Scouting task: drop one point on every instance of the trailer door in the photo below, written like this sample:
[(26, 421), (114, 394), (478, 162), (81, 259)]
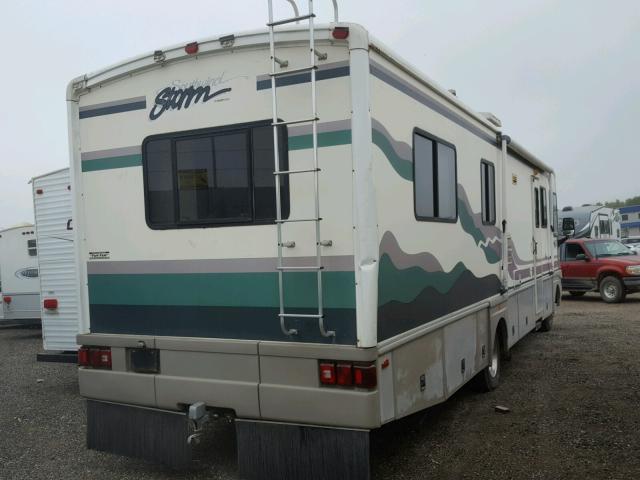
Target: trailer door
[(536, 241)]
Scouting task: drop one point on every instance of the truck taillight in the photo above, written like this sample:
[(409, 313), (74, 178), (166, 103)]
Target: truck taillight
[(6, 300), (348, 374), (95, 357), (50, 303)]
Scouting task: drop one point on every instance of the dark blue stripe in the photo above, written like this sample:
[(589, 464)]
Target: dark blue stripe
[(404, 87), (127, 107), (325, 74), (248, 323)]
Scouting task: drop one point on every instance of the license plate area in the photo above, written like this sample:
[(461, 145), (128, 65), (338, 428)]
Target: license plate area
[(144, 360)]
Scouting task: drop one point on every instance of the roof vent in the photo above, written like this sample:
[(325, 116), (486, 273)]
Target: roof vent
[(491, 118)]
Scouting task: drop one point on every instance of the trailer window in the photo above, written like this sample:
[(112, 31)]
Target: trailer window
[(214, 177), (31, 248), (488, 192), (435, 193), (544, 221), (555, 213), (536, 201)]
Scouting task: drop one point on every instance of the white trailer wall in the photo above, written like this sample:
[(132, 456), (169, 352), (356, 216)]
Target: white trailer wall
[(52, 207)]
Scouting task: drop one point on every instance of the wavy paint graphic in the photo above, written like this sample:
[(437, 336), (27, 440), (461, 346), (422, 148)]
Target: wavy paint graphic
[(413, 289)]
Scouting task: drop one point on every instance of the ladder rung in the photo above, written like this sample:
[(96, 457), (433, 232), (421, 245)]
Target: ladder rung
[(306, 267), (290, 172), (299, 220), (300, 315), (291, 20), (295, 70), (291, 122)]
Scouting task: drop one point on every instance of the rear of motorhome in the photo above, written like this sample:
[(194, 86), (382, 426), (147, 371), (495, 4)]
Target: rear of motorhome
[(19, 270), (312, 240), (56, 255)]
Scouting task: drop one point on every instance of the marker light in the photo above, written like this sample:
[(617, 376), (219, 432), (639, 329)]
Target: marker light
[(50, 303), (191, 48), (340, 33)]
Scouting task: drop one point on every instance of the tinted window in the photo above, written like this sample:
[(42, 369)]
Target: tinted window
[(434, 179), (572, 250), (31, 248), (536, 201), (544, 218), (214, 177), (488, 192)]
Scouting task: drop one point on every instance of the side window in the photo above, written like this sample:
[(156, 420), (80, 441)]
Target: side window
[(544, 210), (214, 177), (625, 216), (31, 248), (488, 192), (434, 179), (536, 201), (572, 250), (555, 213)]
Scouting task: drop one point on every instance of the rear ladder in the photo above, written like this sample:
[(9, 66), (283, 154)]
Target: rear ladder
[(313, 120)]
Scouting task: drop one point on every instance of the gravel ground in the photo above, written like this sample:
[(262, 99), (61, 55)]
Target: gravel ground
[(574, 395)]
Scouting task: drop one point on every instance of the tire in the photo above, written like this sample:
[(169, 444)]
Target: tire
[(547, 324), (577, 294), (611, 290), (489, 378)]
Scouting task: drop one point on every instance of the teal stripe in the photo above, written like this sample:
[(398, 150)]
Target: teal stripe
[(222, 289), (402, 166), (325, 139), (108, 163)]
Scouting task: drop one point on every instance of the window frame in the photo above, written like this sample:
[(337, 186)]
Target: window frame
[(247, 128), (482, 190), (435, 140)]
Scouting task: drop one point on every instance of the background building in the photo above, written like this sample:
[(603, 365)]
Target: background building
[(630, 222)]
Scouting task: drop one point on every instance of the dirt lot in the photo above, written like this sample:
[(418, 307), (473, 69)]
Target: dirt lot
[(574, 395)]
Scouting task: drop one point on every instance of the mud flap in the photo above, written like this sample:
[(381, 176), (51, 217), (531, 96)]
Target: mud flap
[(155, 435), (274, 450)]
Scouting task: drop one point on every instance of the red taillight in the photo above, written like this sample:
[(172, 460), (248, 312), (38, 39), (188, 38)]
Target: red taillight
[(348, 374), (344, 374), (191, 48), (95, 357), (364, 376), (6, 300), (340, 33), (328, 373), (83, 357), (50, 303)]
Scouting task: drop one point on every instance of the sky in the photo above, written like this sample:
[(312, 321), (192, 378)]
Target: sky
[(563, 76)]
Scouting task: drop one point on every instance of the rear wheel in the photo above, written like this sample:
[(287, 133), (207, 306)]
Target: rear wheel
[(489, 378), (577, 294), (611, 290)]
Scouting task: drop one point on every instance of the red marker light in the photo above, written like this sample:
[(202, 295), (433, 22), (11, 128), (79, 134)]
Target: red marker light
[(50, 303), (192, 48), (6, 300), (340, 33)]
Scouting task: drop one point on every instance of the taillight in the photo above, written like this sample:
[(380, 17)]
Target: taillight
[(6, 300), (95, 357), (327, 373), (50, 303), (348, 374)]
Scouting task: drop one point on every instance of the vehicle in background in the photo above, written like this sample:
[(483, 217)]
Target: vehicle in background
[(632, 242), (605, 266), (590, 221), (56, 257), (19, 270), (308, 272)]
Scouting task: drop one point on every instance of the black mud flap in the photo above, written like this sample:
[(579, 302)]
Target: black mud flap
[(155, 435), (274, 450)]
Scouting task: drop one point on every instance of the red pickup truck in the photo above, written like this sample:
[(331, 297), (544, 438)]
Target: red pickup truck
[(605, 266)]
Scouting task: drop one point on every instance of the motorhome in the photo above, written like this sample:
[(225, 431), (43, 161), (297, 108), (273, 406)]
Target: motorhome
[(57, 260), (19, 270), (590, 221), (295, 229)]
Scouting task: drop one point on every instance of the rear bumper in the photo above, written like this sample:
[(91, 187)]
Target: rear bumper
[(257, 380)]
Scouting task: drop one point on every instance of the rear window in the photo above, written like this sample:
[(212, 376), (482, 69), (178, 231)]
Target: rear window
[(214, 177)]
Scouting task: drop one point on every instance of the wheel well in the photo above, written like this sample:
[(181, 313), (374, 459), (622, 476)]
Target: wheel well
[(503, 336), (608, 273)]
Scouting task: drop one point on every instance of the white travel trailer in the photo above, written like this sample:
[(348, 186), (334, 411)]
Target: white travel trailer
[(19, 269), (56, 256), (590, 221), (313, 264)]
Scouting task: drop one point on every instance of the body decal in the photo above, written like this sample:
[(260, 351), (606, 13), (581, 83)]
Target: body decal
[(109, 108)]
